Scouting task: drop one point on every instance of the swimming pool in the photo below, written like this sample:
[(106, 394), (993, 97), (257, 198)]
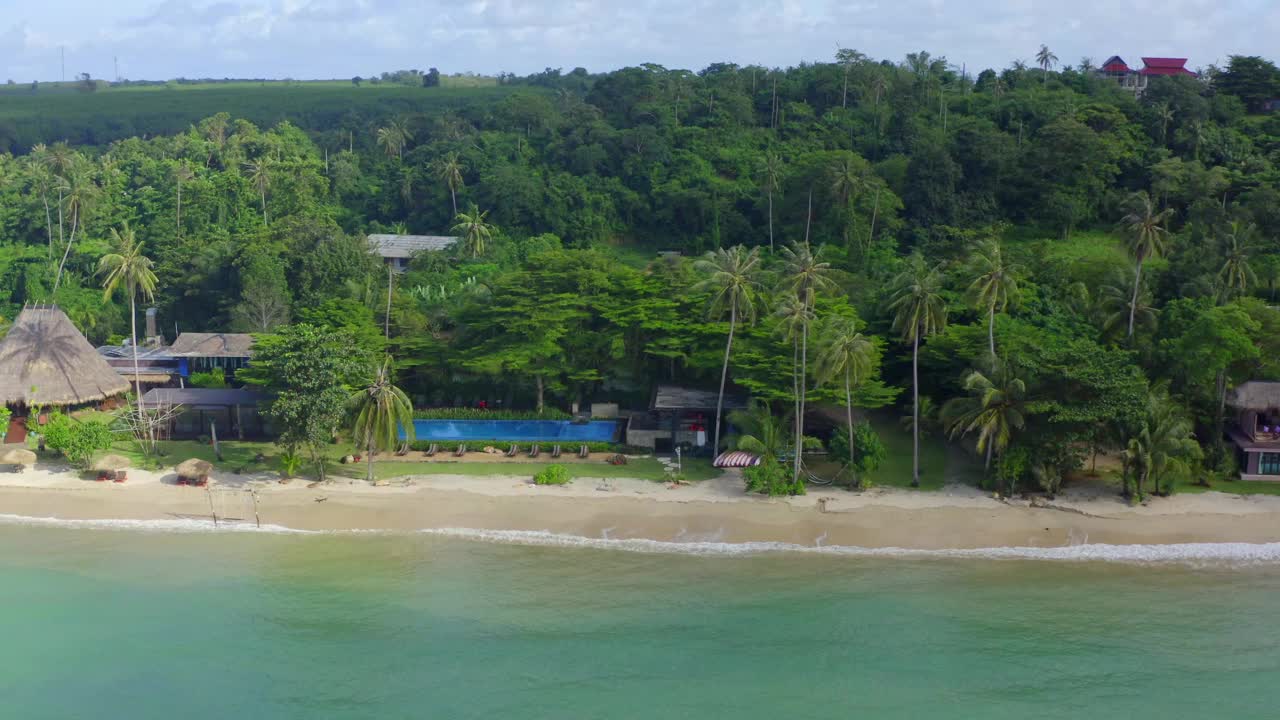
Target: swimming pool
[(540, 430)]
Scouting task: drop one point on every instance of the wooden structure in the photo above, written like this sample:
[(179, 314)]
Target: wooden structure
[(398, 251), (207, 411), (45, 362), (1256, 431), (678, 416), (202, 352)]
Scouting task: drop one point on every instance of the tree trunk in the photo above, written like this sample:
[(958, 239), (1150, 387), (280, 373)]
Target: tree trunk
[(875, 211), (724, 375), (264, 207), (387, 322), (538, 379), (804, 390), (915, 409), (453, 193), (369, 458), (179, 221), (57, 280), (1133, 304), (770, 223), (991, 334), (137, 373), (848, 408), (48, 222), (808, 217), (990, 447)]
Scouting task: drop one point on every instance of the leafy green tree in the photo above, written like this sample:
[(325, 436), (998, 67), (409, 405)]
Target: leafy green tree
[(259, 175), (1250, 78), (77, 440), (731, 276), (308, 372), (1147, 233), (919, 311), (380, 412), (1162, 446), (393, 138), (129, 269)]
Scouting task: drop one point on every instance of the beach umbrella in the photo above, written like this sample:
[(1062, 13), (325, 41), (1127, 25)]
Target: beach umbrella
[(111, 463), (18, 456), (195, 469)]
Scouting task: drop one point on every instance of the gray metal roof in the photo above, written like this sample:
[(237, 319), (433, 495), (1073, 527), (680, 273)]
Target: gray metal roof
[(198, 397), (674, 397), (406, 246)]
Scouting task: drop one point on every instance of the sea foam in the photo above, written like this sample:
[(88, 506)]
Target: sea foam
[(1194, 554)]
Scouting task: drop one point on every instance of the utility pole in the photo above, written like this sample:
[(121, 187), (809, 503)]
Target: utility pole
[(62, 49), (115, 60)]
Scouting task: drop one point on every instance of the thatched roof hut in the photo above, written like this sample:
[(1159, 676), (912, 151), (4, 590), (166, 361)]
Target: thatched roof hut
[(18, 456), (44, 360), (195, 469), (1255, 395), (111, 463)]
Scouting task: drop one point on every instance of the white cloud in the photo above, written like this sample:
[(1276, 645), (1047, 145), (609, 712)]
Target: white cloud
[(338, 38)]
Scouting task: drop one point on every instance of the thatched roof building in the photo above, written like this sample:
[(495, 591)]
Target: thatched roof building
[(44, 360), (1256, 395)]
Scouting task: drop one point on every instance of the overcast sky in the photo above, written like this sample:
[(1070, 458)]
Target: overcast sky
[(161, 39)]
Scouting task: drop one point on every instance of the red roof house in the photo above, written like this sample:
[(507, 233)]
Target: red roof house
[(1115, 64), (1165, 66)]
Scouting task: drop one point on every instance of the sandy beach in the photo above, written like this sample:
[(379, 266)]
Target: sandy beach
[(710, 511)]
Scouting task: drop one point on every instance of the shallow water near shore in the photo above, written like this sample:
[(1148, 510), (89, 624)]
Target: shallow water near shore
[(138, 624)]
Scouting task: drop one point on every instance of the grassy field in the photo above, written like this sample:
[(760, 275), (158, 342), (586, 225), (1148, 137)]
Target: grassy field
[(241, 457), (56, 113), (938, 464)]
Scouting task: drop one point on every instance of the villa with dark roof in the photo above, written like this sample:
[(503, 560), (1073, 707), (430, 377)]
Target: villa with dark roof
[(1135, 81), (398, 250)]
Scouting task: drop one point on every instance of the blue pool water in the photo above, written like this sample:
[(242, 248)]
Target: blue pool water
[(526, 430)]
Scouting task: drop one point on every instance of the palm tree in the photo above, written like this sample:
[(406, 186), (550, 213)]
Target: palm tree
[(474, 230), (81, 193), (760, 432), (846, 181), (1164, 114), (260, 177), (804, 276), (1147, 235), (1236, 274), (794, 317), (919, 311), (731, 276), (847, 352), (1162, 442), (994, 408), (449, 170), (394, 137), (380, 411), (128, 267), (1115, 305), (43, 181), (771, 171), (181, 174), (994, 286), (1046, 60)]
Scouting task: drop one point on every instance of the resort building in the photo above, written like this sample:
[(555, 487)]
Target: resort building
[(678, 417), (398, 250), (203, 352), (231, 414), (1256, 432), (46, 363), (1135, 81)]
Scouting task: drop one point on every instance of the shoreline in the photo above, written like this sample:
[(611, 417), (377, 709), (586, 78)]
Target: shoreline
[(619, 509)]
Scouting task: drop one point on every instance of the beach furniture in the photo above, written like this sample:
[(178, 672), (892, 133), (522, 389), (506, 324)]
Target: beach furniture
[(513, 450), (431, 451), (583, 452), (403, 450), (462, 450), (555, 451), (121, 476), (533, 451)]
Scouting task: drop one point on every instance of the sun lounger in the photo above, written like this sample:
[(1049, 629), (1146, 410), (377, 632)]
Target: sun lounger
[(403, 450), (533, 451), (121, 476), (513, 450), (555, 451), (462, 450), (431, 451), (584, 451)]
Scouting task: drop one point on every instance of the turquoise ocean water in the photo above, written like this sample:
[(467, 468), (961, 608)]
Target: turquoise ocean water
[(123, 623)]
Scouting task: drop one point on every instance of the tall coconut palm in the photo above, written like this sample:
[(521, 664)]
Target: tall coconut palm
[(127, 267), (919, 311), (1147, 233), (1046, 60), (794, 317), (394, 137), (994, 409), (732, 278), (449, 169), (759, 432), (1115, 305), (81, 194), (849, 353), (181, 175), (1236, 275), (380, 412), (994, 286), (770, 180), (804, 276), (259, 174), (474, 229), (846, 181), (1164, 114), (43, 181)]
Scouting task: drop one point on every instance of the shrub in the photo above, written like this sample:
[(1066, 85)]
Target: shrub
[(772, 479), (869, 451), (552, 475), (5, 414), (211, 379), (77, 440)]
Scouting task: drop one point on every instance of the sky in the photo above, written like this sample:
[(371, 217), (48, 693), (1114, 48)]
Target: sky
[(309, 39)]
